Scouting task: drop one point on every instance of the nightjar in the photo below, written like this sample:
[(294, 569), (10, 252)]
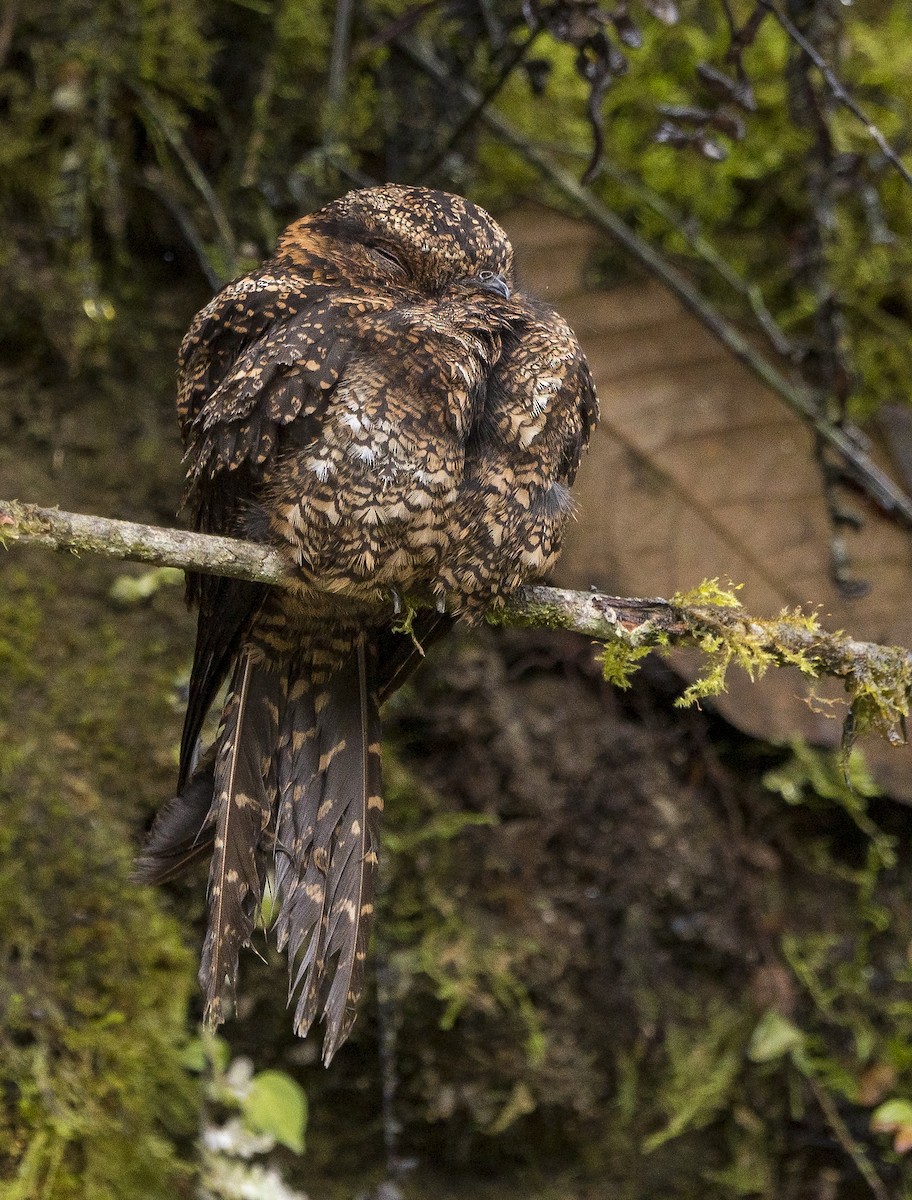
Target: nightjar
[(382, 405)]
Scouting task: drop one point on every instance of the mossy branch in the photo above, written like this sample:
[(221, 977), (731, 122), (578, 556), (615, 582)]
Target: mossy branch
[(878, 679)]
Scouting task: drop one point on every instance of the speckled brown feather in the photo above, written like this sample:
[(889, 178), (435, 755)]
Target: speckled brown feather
[(381, 404)]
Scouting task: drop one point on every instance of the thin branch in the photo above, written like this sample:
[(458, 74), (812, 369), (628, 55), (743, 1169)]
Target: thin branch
[(153, 178), (843, 1135), (704, 249), (397, 27), (685, 227), (838, 89), (338, 63), (828, 370), (636, 623), (657, 623), (875, 482), (195, 173), (142, 543)]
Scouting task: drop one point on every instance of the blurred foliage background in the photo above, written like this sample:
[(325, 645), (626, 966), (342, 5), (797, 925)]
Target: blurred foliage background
[(623, 950)]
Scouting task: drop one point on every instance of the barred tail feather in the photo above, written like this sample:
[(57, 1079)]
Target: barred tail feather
[(299, 781), (242, 804), (327, 839)]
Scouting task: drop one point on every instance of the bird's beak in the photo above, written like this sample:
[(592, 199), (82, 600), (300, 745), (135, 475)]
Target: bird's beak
[(494, 283)]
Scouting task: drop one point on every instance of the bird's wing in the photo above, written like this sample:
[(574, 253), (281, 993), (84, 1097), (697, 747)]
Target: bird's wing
[(550, 406), (400, 653), (260, 358), (582, 386), (263, 354)]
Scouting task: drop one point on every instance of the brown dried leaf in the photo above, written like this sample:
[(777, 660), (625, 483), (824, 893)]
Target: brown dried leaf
[(699, 471), (875, 1083)]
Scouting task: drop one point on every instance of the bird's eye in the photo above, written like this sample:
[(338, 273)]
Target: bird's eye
[(388, 257)]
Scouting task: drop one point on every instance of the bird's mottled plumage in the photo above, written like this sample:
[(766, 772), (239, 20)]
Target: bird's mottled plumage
[(379, 403)]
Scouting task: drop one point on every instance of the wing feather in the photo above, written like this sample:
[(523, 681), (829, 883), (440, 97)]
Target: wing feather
[(261, 356)]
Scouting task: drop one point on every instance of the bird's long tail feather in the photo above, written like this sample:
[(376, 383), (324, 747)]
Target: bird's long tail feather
[(242, 805), (327, 835)]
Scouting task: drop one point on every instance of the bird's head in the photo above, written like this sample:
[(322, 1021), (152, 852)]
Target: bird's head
[(408, 237)]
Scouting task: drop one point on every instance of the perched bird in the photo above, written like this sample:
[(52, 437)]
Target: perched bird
[(380, 404)]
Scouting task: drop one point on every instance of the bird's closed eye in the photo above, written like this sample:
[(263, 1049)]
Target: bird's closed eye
[(386, 256)]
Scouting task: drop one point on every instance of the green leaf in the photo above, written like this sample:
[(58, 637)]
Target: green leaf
[(891, 1115), (277, 1105), (132, 589), (773, 1037), (206, 1050)]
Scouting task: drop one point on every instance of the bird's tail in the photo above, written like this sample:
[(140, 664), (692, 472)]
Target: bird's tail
[(295, 770), (327, 833)]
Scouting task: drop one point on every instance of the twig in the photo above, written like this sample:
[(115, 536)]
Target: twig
[(828, 371), (477, 110), (838, 89), (184, 222), (875, 482), (741, 39), (194, 171), (338, 63), (395, 28), (845, 1139), (636, 622), (704, 249)]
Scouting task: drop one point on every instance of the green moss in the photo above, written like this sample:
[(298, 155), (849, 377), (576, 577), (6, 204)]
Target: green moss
[(97, 1097), (435, 943), (619, 662), (136, 96), (880, 687), (830, 1041), (701, 1071), (754, 644), (710, 592), (533, 615), (108, 132), (752, 206), (95, 977)]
